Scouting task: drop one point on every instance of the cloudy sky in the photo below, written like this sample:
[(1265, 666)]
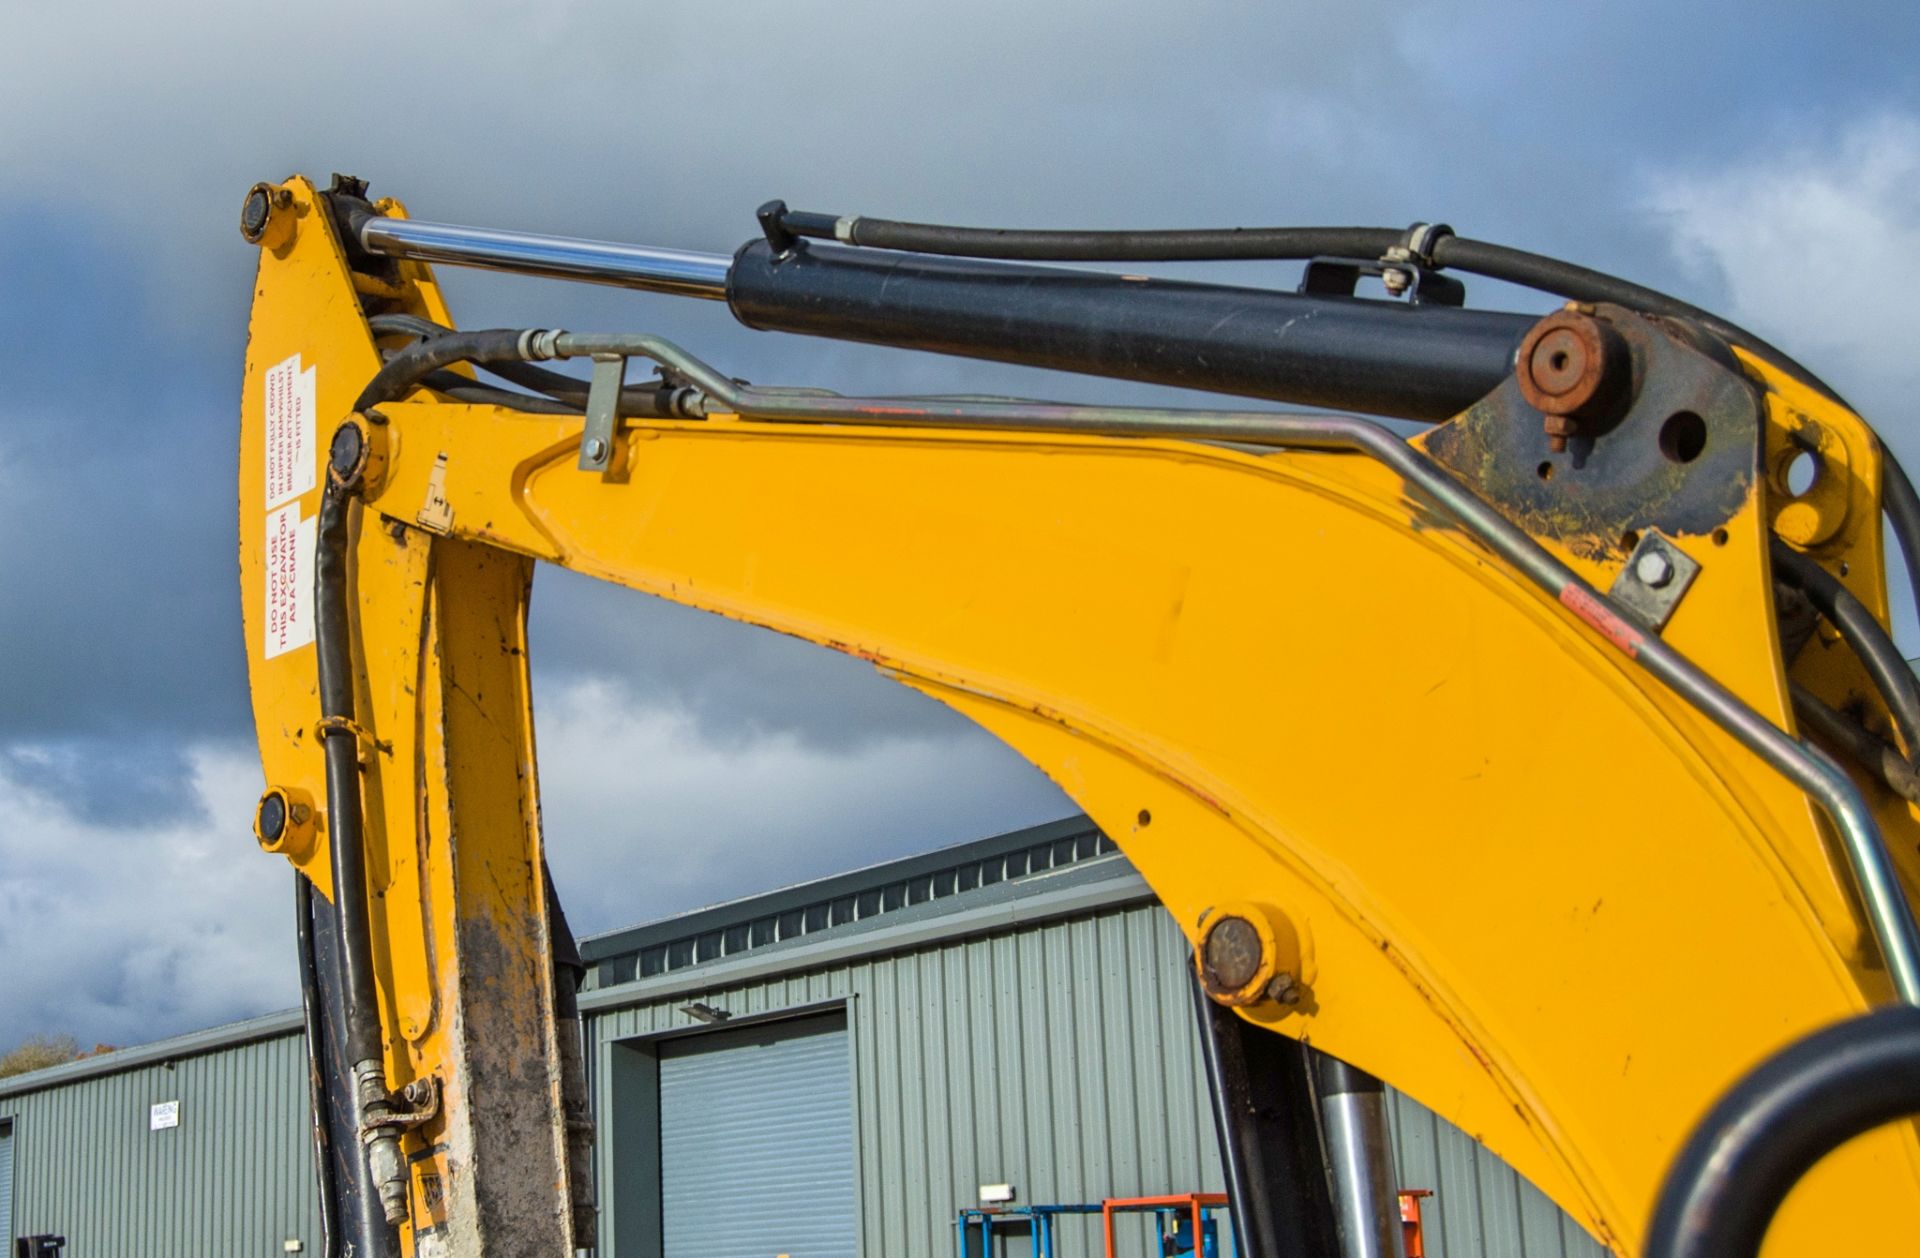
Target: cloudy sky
[(1761, 160)]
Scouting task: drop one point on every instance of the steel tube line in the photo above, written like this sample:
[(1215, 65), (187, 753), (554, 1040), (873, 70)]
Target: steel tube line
[(1808, 767), (676, 271)]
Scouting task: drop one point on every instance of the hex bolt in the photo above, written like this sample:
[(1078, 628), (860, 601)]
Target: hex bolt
[(1284, 988), (1654, 569), (596, 449)]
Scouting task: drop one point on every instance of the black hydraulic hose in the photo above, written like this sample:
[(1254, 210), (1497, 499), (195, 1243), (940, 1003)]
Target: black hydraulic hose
[(461, 389), (501, 351), (333, 645), (334, 649), (310, 1015), (1204, 245), (403, 372), (553, 384), (1902, 507), (1757, 1142), (1579, 283), (1868, 638), (1281, 244)]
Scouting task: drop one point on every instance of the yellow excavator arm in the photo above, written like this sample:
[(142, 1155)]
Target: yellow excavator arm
[(1471, 760)]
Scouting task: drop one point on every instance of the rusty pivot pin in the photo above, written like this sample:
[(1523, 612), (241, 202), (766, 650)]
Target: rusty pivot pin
[(1573, 369)]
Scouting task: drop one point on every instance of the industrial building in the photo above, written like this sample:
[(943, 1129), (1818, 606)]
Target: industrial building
[(828, 1070)]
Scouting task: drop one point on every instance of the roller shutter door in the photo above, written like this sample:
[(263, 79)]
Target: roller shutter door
[(756, 1143)]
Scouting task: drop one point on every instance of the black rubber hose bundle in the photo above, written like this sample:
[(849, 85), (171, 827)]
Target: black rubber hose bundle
[(1284, 244), (341, 746), (1869, 640), (1902, 505), (500, 351), (400, 374)]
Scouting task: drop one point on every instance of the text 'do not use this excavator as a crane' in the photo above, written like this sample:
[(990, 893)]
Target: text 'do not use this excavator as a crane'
[(1553, 764)]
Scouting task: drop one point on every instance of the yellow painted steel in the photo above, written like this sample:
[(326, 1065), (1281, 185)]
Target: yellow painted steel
[(1543, 896)]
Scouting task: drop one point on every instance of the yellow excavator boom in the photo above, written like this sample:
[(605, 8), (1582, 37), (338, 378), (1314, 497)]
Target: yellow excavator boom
[(1470, 761)]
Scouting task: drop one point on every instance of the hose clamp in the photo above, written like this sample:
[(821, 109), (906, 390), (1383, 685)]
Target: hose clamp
[(342, 727), (1417, 244)]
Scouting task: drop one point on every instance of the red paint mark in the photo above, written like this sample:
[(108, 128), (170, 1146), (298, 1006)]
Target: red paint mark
[(1596, 613), (893, 410)]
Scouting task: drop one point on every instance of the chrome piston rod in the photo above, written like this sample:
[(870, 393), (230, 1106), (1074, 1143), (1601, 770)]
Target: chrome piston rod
[(676, 271), (1366, 1197)]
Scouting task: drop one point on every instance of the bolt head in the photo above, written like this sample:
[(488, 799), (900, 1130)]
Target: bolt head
[(1285, 989), (1654, 569), (596, 449)]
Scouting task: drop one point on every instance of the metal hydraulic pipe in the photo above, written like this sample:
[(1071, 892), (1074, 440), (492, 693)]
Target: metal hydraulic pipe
[(1809, 768), (676, 271)]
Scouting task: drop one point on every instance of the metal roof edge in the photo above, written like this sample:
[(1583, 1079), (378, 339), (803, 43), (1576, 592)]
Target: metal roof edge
[(1125, 889), (1033, 906), (599, 947), (193, 1044)]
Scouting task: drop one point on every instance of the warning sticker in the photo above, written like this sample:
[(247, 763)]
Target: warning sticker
[(290, 427), (289, 552)]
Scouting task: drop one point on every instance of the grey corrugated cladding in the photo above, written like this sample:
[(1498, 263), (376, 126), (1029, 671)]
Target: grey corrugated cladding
[(6, 1186), (234, 1178), (1026, 1022), (1060, 1057)]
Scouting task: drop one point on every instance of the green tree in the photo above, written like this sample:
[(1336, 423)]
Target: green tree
[(37, 1052)]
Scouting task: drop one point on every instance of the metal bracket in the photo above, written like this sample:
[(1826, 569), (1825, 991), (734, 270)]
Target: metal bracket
[(1657, 576), (413, 1106), (365, 742), (603, 410), (1340, 277)]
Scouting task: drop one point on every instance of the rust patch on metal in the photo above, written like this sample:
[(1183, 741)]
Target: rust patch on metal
[(1682, 457)]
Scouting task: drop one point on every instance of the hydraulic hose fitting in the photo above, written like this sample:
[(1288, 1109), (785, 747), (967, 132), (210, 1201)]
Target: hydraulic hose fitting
[(380, 1137), (1576, 371)]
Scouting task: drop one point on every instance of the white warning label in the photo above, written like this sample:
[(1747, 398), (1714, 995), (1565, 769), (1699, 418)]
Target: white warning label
[(289, 552), (290, 426)]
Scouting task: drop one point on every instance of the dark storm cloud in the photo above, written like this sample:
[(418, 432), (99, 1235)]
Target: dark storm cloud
[(119, 607), (1698, 147), (109, 781)]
